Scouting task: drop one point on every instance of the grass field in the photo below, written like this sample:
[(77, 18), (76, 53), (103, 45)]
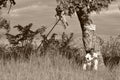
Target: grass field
[(49, 68), (56, 67)]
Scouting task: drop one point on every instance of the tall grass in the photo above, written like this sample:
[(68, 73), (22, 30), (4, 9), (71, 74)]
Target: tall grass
[(47, 68), (59, 62), (112, 47)]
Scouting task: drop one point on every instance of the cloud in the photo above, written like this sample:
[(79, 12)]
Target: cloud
[(111, 12), (30, 8), (113, 9), (23, 3), (27, 10), (33, 7)]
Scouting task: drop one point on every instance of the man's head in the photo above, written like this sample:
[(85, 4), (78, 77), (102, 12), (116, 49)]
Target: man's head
[(92, 50)]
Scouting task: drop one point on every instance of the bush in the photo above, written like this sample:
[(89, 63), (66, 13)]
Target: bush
[(111, 52)]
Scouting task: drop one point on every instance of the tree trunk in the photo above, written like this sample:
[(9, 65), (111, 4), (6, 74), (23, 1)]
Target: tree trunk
[(88, 35)]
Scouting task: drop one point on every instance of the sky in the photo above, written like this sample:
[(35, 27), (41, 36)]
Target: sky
[(42, 12)]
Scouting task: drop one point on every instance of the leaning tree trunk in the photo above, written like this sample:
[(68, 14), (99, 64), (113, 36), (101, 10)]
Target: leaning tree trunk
[(88, 35)]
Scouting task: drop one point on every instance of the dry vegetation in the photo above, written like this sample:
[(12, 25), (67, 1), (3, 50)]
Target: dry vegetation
[(48, 68), (56, 59), (55, 64)]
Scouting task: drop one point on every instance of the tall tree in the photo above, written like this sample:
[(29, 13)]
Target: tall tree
[(83, 9)]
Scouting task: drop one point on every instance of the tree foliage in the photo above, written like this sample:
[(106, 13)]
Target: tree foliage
[(4, 24), (83, 8), (88, 6), (26, 34), (3, 3)]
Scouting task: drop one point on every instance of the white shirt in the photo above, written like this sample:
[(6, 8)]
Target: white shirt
[(88, 57)]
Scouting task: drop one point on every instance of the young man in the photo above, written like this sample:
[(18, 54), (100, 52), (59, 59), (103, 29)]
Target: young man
[(95, 56), (88, 62), (91, 60)]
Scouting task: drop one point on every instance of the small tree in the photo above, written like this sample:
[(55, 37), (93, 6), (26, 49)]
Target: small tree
[(3, 3), (3, 22), (26, 35)]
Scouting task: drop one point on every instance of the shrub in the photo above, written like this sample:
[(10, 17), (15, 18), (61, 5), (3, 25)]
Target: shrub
[(111, 52)]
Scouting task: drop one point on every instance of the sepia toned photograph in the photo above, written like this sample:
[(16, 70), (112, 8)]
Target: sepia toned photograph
[(59, 39)]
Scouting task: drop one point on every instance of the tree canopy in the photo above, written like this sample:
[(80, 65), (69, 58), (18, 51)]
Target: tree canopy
[(88, 6), (25, 33), (83, 8)]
